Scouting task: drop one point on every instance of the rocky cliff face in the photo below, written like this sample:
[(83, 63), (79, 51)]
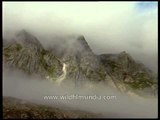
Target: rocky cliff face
[(26, 52), (128, 74), (82, 63)]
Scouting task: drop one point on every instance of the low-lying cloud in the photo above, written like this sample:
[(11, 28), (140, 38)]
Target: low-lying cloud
[(34, 89)]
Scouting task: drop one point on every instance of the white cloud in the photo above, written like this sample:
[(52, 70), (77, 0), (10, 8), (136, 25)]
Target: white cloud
[(109, 27)]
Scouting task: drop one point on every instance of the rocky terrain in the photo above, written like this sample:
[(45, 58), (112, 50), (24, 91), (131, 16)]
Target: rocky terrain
[(20, 109), (25, 52), (127, 72)]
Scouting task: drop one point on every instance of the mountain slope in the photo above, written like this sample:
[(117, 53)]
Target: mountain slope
[(26, 53), (81, 64), (128, 72)]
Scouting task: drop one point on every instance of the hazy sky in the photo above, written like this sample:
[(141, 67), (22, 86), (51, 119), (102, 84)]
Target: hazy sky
[(109, 27)]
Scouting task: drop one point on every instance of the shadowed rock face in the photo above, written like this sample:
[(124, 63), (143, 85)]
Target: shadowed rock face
[(26, 52)]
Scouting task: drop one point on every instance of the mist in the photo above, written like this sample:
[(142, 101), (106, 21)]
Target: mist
[(33, 89), (108, 27)]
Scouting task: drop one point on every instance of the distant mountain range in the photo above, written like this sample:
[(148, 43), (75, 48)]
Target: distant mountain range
[(26, 53)]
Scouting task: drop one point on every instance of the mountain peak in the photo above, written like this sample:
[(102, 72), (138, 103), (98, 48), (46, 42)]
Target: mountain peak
[(123, 53), (125, 56), (26, 39), (80, 37), (22, 32), (83, 43)]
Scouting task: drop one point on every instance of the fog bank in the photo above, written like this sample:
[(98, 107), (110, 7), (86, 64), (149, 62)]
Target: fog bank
[(31, 88)]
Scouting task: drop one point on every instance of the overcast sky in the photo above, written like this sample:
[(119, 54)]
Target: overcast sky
[(109, 27)]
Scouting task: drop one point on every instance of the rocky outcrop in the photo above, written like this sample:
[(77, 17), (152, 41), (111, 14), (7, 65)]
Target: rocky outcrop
[(81, 64), (25, 52), (127, 72)]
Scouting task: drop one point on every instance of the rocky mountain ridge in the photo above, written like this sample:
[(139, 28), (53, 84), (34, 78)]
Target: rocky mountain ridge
[(25, 52)]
